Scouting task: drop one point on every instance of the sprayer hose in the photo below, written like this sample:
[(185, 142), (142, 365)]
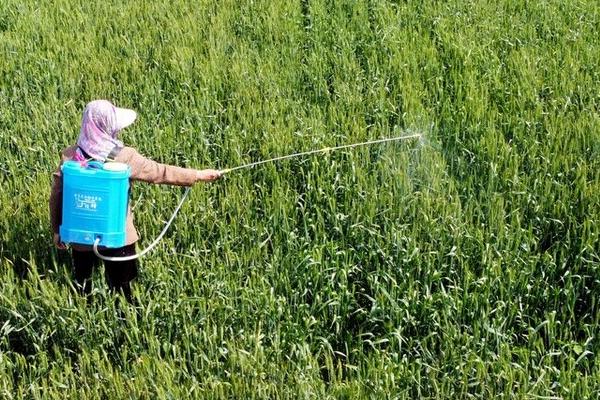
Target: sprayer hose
[(152, 245)]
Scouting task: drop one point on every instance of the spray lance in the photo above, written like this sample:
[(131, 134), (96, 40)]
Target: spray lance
[(97, 240)]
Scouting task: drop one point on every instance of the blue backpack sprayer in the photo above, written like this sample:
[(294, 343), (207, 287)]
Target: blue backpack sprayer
[(95, 200)]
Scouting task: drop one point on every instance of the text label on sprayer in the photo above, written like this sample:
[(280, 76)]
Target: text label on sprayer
[(87, 202)]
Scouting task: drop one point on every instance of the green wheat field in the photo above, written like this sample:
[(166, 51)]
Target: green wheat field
[(464, 265)]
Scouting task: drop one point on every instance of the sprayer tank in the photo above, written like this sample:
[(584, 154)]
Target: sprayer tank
[(95, 197)]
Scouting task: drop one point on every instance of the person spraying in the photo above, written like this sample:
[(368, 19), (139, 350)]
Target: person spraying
[(97, 143)]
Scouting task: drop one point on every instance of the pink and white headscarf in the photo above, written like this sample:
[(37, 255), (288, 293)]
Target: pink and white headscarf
[(100, 125)]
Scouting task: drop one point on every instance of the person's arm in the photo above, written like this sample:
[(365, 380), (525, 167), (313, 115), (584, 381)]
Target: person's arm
[(147, 170), (55, 205)]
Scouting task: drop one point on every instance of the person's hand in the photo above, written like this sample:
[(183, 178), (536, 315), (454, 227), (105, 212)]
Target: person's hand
[(208, 175), (57, 242)]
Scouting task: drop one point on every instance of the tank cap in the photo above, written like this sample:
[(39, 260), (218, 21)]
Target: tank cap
[(115, 166)]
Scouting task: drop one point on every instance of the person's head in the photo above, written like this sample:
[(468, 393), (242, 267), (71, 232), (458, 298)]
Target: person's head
[(100, 124)]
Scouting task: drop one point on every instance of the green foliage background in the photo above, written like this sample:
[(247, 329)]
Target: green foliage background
[(463, 266)]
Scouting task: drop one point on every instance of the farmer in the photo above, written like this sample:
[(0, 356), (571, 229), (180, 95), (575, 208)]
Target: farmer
[(100, 125)]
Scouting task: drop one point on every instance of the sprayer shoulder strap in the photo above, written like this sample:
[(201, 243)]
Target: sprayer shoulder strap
[(85, 154), (110, 157), (114, 153)]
